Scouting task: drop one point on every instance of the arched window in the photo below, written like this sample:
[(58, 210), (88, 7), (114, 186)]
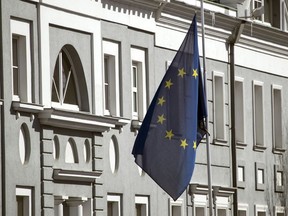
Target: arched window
[(64, 87)]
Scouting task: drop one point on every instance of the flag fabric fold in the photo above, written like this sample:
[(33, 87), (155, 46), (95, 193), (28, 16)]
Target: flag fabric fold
[(165, 147)]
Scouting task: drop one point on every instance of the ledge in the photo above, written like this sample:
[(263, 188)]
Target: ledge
[(241, 145), (259, 148), (195, 188), (135, 125), (279, 151), (79, 120), (75, 176), (27, 107)]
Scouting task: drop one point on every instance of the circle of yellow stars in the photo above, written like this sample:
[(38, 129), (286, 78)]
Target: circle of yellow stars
[(161, 101)]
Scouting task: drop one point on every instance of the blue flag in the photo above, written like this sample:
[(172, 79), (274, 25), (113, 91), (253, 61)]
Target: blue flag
[(165, 147)]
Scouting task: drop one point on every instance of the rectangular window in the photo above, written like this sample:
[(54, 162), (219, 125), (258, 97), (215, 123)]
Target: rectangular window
[(242, 209), (114, 205), (176, 207), (138, 83), (200, 205), (239, 111), (15, 65), (200, 211), (269, 11), (284, 17), (242, 213), (219, 106), (24, 201), (241, 176), (258, 114), (279, 211), (135, 100), (222, 205), (278, 178), (221, 212), (260, 176), (277, 117), (111, 78), (260, 210), (21, 61), (141, 206)]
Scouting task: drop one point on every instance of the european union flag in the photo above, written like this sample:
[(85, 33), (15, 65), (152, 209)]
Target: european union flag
[(165, 147)]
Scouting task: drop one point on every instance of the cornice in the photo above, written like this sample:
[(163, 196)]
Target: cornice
[(79, 120), (75, 176)]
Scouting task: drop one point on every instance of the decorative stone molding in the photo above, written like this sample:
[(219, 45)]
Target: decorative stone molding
[(75, 176)]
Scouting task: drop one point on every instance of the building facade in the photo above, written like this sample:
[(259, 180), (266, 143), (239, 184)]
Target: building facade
[(76, 81)]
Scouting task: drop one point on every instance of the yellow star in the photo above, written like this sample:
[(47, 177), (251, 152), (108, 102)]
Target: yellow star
[(168, 84), (194, 145), (195, 74), (181, 72), (161, 101), (161, 119), (169, 134), (183, 143)]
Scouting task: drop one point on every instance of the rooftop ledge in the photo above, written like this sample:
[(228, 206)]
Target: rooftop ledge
[(79, 120)]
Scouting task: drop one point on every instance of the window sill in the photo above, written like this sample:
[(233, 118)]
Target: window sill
[(26, 107), (241, 184), (220, 142), (279, 189), (259, 148), (241, 145), (79, 121), (279, 151), (260, 187)]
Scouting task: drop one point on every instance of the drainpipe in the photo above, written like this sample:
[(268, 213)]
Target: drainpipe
[(2, 157), (231, 41)]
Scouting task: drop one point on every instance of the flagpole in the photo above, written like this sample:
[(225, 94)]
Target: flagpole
[(206, 120)]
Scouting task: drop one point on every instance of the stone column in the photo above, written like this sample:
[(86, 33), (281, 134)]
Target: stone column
[(75, 205), (58, 205)]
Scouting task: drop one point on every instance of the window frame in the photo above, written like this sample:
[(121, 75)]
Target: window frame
[(279, 209), (219, 112), (61, 103), (222, 203), (138, 57), (20, 30), (143, 200), (257, 110), (284, 16), (200, 201), (240, 108), (111, 102), (260, 186), (241, 184), (243, 207), (279, 188), (27, 195), (116, 199), (178, 203), (277, 124), (260, 208)]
